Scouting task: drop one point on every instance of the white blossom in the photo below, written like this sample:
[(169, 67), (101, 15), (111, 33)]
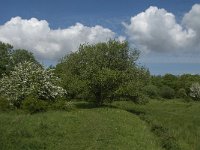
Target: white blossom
[(30, 78), (195, 90)]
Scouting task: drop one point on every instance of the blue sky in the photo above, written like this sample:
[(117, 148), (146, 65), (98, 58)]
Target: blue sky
[(108, 19)]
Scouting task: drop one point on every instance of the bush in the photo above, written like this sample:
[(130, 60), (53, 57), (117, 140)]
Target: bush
[(33, 105), (28, 78), (195, 91), (142, 99), (151, 91), (167, 92), (181, 93)]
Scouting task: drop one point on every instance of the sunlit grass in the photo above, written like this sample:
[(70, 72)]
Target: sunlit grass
[(80, 129)]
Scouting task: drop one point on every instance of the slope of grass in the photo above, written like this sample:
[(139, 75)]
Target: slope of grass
[(80, 129), (177, 124)]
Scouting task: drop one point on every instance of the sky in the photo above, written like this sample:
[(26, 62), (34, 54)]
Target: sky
[(167, 32)]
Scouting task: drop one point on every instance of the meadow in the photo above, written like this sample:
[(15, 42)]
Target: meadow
[(122, 125)]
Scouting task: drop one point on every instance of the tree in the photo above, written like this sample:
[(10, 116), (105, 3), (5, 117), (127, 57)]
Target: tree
[(5, 53), (170, 80), (106, 69), (22, 55), (10, 57), (29, 78)]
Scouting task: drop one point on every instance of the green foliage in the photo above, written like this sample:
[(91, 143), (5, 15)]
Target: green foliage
[(5, 52), (151, 91), (176, 82), (33, 105), (142, 99), (75, 87), (21, 55), (10, 57), (181, 93), (170, 81), (167, 92), (101, 71)]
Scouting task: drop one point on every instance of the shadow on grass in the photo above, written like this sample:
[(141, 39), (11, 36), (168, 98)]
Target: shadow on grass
[(85, 105), (91, 105)]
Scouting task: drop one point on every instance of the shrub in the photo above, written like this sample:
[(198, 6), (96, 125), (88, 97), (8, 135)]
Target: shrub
[(30, 78), (33, 105), (195, 91), (181, 93), (167, 92), (142, 99), (151, 91)]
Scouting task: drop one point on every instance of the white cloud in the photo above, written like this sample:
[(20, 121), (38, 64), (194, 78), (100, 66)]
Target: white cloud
[(48, 44), (157, 30)]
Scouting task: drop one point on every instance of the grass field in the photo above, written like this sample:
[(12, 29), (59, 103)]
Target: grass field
[(170, 125), (82, 129), (177, 124)]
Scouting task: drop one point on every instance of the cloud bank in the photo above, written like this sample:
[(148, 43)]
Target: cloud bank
[(48, 44), (156, 30)]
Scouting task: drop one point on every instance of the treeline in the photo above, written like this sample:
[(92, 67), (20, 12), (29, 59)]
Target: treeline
[(170, 86), (101, 73)]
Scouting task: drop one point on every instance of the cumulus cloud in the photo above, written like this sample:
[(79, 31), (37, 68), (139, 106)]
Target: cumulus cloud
[(156, 30), (48, 44)]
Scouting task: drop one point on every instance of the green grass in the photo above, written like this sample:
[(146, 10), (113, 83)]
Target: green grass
[(169, 125), (80, 129), (177, 124)]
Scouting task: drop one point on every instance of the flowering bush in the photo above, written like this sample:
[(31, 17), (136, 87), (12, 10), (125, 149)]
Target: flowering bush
[(30, 78), (195, 91)]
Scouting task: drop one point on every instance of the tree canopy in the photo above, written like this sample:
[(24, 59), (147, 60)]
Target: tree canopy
[(10, 57), (104, 70)]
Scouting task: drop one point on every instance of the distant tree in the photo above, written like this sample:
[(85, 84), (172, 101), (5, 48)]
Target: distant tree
[(104, 69), (156, 80), (170, 80)]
